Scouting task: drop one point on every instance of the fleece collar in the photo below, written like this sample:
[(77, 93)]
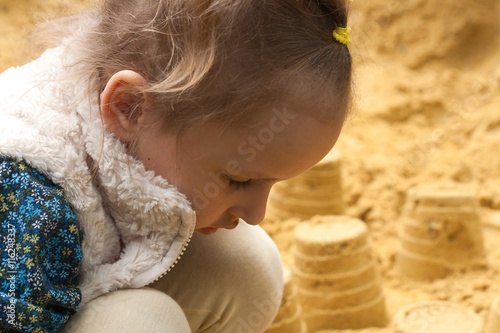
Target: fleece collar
[(144, 207)]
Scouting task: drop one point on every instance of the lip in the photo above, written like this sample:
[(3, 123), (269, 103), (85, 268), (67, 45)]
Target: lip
[(211, 230), (208, 230)]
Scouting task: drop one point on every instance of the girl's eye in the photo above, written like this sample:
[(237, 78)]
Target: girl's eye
[(237, 183)]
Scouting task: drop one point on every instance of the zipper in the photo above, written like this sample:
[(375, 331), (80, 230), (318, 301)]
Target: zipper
[(184, 247)]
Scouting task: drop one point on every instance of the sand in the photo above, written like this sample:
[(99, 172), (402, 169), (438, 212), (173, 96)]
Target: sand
[(426, 110)]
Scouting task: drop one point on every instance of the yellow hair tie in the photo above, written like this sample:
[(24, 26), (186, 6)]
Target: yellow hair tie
[(341, 35)]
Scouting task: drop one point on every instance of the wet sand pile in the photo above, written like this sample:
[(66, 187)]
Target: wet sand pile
[(427, 112)]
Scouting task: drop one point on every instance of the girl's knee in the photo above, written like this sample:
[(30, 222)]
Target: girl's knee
[(129, 310), (261, 262), (258, 288), (240, 275)]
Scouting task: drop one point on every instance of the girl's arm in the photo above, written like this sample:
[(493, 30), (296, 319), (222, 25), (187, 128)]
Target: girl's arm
[(40, 251)]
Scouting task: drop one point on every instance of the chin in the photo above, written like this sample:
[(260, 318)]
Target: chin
[(207, 230)]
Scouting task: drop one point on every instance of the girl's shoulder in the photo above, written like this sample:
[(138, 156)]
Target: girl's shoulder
[(30, 192), (33, 202), (40, 249)]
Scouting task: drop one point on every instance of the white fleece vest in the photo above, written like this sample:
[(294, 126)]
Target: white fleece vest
[(135, 224)]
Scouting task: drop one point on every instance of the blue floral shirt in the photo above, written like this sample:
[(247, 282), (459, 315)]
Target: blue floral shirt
[(40, 251)]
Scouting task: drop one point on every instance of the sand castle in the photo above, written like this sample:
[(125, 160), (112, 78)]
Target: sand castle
[(441, 232), (437, 317), (335, 274), (317, 191)]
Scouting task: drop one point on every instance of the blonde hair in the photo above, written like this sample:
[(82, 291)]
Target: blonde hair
[(219, 59)]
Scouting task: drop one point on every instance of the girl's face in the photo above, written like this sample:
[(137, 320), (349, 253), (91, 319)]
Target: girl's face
[(227, 172)]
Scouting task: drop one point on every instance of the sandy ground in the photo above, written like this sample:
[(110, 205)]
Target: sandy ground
[(426, 110)]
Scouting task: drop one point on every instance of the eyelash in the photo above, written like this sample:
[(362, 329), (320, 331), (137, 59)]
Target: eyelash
[(237, 184)]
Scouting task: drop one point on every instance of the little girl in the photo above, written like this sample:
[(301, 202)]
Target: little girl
[(151, 120)]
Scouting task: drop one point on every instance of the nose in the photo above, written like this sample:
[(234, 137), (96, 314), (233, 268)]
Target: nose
[(251, 207)]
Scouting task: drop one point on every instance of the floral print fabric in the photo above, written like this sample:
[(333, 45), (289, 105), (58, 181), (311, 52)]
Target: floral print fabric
[(40, 251)]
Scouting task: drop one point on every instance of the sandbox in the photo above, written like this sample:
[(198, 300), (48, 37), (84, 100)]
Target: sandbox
[(427, 96)]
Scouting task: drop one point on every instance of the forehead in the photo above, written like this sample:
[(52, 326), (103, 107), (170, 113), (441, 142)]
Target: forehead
[(276, 144), (302, 96)]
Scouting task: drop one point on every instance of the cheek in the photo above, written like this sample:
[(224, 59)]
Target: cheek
[(207, 212), (205, 203), (207, 197), (210, 207), (155, 160)]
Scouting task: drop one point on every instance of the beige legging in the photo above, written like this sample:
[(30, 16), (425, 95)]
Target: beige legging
[(230, 282)]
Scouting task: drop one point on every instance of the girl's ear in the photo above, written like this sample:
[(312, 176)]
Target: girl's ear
[(122, 104)]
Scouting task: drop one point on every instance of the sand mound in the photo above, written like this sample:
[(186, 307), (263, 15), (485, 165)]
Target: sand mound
[(428, 93), (419, 32)]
